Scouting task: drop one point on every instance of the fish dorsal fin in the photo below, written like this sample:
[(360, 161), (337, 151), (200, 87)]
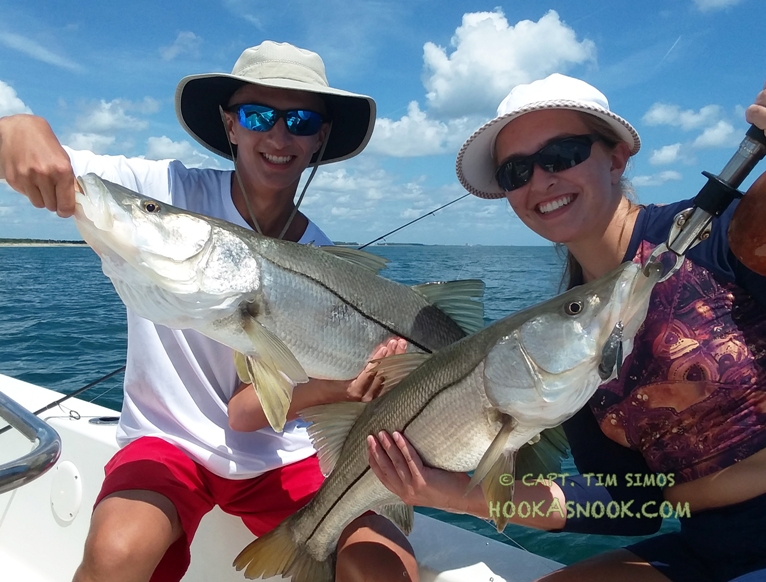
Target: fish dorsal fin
[(361, 258), (273, 370), (459, 300), (544, 456), (402, 515), (330, 425), (398, 366)]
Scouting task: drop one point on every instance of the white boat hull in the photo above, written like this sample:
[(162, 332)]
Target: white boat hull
[(43, 524)]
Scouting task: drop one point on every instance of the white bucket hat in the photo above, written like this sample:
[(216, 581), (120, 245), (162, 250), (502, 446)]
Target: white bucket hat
[(282, 65), (475, 164)]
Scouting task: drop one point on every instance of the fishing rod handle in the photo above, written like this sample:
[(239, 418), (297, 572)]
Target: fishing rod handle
[(750, 152)]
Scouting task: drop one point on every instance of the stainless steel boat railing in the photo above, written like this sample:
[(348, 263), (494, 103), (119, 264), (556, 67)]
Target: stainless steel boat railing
[(45, 454)]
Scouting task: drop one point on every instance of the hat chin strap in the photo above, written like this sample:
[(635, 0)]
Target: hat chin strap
[(242, 186)]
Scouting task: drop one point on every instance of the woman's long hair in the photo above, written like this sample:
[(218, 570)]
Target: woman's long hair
[(573, 274)]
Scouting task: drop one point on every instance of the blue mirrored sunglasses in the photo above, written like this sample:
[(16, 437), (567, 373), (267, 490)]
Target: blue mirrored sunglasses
[(555, 156), (257, 117)]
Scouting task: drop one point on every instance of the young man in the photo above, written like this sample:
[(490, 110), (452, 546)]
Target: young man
[(192, 435)]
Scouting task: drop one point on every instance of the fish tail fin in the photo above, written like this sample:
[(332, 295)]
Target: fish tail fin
[(276, 553)]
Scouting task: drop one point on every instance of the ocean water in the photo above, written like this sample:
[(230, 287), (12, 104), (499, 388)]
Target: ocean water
[(62, 326)]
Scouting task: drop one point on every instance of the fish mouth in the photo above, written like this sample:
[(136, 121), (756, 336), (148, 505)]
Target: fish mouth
[(112, 220), (633, 294), (95, 219)]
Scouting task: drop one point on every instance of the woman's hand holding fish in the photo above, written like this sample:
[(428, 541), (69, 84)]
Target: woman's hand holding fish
[(756, 113), (33, 163), (399, 467)]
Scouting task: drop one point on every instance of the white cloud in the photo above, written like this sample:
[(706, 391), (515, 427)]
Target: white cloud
[(361, 189), (10, 102), (710, 5), (163, 148), (716, 131), (417, 135), (656, 179), (411, 213), (719, 135), (105, 117), (358, 190), (38, 52), (665, 155), (186, 43), (93, 142), (5, 210), (490, 57), (667, 114)]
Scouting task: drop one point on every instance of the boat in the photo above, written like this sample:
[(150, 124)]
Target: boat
[(51, 468)]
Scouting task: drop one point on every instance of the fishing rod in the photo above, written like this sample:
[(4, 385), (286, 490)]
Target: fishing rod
[(72, 395), (434, 211)]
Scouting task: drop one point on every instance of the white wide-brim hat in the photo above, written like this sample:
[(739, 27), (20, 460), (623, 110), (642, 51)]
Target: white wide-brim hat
[(281, 65), (476, 164)]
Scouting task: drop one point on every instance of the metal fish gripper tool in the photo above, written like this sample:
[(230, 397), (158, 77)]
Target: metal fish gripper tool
[(692, 225)]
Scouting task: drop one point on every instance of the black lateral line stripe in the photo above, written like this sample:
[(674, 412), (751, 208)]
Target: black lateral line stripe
[(363, 473), (358, 310)]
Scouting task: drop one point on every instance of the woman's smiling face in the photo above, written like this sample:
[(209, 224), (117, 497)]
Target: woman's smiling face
[(571, 205)]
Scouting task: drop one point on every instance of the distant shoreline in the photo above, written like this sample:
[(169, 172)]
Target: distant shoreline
[(32, 243)]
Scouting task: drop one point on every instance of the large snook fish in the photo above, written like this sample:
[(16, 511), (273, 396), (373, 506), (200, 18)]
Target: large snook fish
[(294, 311), (469, 406)]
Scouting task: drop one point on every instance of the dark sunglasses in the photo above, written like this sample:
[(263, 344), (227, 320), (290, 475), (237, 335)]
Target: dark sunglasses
[(555, 156), (262, 118)]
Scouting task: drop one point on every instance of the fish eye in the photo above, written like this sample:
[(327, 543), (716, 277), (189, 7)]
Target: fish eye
[(150, 206), (573, 308)]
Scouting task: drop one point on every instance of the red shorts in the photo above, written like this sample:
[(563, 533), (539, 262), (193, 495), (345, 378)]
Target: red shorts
[(153, 464)]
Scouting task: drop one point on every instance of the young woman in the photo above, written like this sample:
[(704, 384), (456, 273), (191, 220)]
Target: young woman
[(684, 427)]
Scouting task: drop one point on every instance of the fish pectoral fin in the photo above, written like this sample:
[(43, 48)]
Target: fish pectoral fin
[(273, 389), (498, 486), (493, 453), (330, 425), (240, 363), (360, 258), (270, 348), (273, 370), (393, 369), (276, 553), (459, 300), (545, 455), (401, 514)]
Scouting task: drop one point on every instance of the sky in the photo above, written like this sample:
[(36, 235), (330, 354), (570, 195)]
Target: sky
[(104, 76)]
